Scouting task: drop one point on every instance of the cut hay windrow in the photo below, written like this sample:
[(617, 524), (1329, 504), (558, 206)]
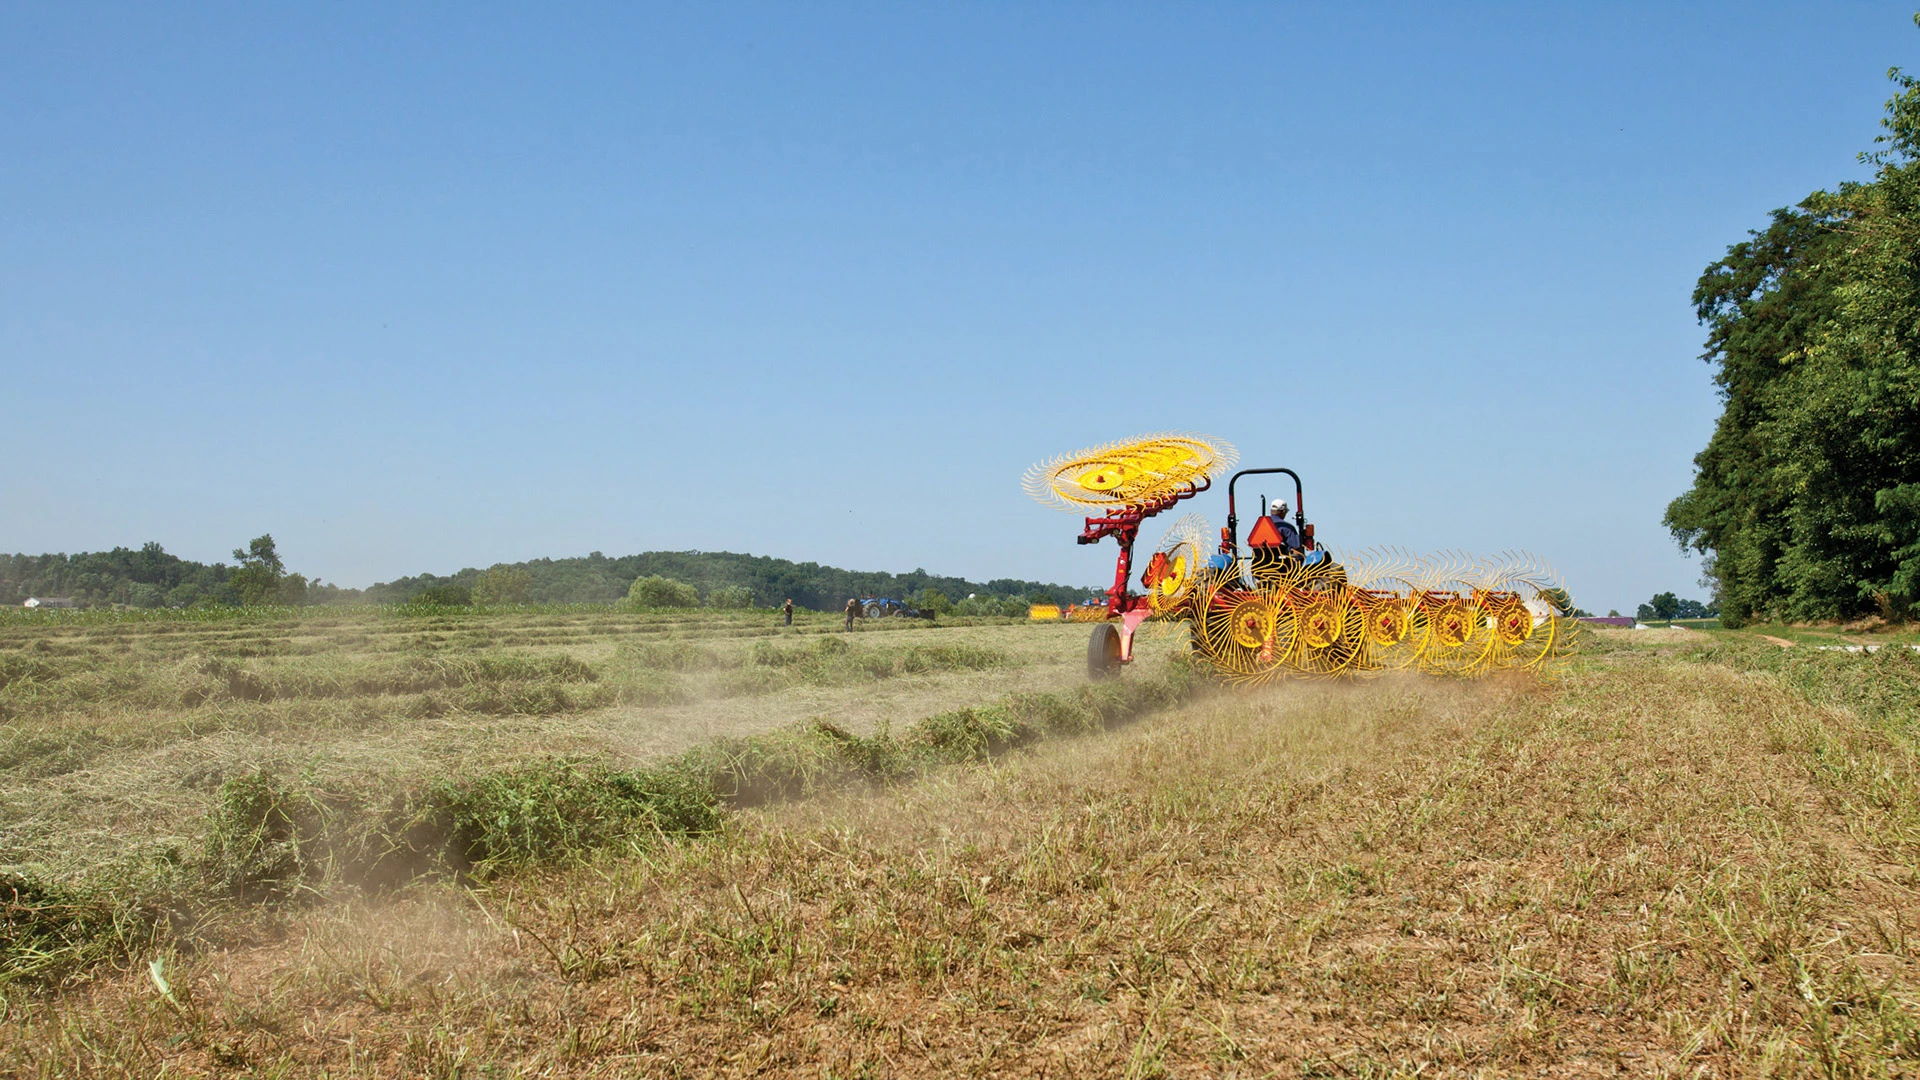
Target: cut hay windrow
[(275, 839)]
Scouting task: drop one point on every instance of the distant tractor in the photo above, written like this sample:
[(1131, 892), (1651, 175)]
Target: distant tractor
[(879, 607)]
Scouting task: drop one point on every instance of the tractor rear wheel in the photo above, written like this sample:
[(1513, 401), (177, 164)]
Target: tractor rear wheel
[(1103, 652), (874, 611)]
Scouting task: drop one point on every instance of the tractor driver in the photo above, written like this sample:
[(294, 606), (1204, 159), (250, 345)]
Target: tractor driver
[(1289, 535)]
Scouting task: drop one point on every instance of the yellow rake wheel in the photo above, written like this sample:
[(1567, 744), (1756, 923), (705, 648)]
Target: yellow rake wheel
[(1333, 632), (1320, 619), (1458, 638), (1131, 472), (1545, 637), (1179, 572), (1099, 477), (1512, 622), (1175, 586), (1251, 620), (1388, 622), (1452, 623), (1214, 637), (1181, 563), (1391, 629), (1249, 636), (1509, 625)]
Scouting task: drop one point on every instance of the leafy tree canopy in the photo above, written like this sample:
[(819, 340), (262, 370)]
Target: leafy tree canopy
[(502, 584), (654, 591), (143, 577), (730, 596), (1666, 605), (1806, 500), (258, 578), (444, 596)]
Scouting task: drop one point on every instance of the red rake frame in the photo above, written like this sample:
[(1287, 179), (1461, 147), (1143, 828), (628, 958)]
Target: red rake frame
[(1124, 526)]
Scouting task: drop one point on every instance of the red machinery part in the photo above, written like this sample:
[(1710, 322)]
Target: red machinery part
[(1124, 526)]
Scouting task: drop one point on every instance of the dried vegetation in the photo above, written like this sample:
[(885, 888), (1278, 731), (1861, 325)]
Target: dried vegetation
[(1691, 857)]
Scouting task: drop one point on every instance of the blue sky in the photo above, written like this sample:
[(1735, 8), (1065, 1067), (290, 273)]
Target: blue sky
[(417, 288)]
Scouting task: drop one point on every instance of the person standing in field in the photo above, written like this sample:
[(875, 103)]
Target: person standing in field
[(788, 608), (853, 611)]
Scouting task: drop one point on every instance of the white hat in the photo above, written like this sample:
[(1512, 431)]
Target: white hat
[(1279, 506)]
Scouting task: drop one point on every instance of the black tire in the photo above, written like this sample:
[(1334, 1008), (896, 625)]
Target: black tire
[(874, 611), (1103, 652)]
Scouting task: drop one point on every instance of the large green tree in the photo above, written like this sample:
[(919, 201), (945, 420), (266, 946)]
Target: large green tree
[(502, 584), (262, 578), (654, 591), (1806, 501)]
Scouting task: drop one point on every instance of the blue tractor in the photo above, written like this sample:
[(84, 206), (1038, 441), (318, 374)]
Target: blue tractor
[(879, 607)]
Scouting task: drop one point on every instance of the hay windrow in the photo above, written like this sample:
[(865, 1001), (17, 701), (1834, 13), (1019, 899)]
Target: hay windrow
[(274, 837)]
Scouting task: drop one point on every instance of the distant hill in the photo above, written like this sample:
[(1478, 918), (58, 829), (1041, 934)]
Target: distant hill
[(597, 578), (150, 577)]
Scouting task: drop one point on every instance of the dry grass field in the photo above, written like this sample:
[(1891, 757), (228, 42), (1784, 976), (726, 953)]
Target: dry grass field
[(642, 848), (119, 733)]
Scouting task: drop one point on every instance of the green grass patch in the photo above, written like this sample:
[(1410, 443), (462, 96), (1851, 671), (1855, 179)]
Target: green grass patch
[(48, 930), (273, 840), (489, 682), (1882, 686), (833, 661)]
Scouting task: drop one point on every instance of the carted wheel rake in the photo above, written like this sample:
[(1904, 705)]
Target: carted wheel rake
[(1288, 607)]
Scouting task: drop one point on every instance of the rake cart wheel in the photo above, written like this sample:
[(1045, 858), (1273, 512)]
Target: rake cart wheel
[(1103, 652)]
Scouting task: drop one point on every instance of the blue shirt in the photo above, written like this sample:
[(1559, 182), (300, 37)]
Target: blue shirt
[(1288, 534)]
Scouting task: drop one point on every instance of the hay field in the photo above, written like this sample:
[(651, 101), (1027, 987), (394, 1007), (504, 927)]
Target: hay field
[(1682, 855), (118, 733)]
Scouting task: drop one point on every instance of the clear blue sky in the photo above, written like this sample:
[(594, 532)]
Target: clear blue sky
[(417, 288)]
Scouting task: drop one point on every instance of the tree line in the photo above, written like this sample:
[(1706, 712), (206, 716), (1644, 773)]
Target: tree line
[(1666, 607), (1806, 500), (717, 578), (150, 577)]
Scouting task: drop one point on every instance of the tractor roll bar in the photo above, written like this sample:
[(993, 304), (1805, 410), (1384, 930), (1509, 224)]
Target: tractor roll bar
[(1233, 518)]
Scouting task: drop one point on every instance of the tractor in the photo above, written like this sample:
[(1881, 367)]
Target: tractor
[(879, 607), (1288, 607), (1175, 572)]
